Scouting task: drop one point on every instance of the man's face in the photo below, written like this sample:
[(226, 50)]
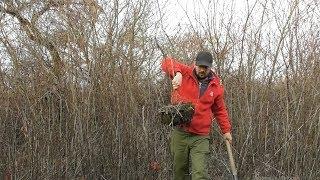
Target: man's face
[(202, 71)]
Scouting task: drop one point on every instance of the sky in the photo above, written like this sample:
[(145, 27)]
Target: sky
[(182, 13), (179, 13)]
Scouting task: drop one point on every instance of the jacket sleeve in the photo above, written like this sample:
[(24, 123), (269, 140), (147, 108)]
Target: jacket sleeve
[(220, 112), (171, 66)]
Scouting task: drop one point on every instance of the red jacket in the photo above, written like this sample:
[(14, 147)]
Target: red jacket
[(209, 105)]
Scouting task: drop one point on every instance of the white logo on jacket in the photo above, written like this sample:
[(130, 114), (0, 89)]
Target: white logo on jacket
[(211, 94)]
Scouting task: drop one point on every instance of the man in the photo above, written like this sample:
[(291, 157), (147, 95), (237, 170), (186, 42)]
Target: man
[(198, 85)]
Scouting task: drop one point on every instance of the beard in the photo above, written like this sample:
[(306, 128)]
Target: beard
[(201, 75)]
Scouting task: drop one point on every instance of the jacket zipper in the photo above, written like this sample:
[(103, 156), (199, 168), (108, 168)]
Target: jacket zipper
[(199, 89)]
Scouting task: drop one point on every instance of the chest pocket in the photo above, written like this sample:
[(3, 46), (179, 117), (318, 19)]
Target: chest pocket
[(208, 96)]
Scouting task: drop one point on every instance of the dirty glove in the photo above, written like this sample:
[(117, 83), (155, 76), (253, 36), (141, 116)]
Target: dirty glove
[(227, 136), (176, 81)]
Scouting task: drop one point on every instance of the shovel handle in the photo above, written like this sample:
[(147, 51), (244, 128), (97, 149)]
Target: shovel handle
[(231, 160)]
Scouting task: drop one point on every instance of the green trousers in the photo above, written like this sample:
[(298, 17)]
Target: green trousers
[(186, 147)]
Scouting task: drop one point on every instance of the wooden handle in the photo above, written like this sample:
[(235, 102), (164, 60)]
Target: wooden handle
[(231, 160)]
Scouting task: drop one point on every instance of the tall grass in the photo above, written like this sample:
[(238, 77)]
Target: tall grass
[(79, 99)]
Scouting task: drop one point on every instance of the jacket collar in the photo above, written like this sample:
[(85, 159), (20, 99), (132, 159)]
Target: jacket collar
[(207, 79)]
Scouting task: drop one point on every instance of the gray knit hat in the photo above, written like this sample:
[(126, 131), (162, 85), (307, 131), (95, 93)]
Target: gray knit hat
[(204, 58)]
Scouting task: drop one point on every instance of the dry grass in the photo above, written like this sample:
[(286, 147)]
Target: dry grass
[(83, 106)]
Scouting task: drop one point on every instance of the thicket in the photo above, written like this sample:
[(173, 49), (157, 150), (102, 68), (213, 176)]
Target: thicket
[(80, 86)]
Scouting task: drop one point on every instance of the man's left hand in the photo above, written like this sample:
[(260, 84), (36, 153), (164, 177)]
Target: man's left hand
[(227, 136)]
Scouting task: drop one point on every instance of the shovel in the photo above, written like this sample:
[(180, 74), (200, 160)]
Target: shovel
[(231, 160)]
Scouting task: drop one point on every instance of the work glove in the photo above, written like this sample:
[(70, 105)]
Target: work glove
[(227, 136), (176, 81)]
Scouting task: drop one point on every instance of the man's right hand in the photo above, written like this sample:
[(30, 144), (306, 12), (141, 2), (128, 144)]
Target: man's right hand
[(176, 81)]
